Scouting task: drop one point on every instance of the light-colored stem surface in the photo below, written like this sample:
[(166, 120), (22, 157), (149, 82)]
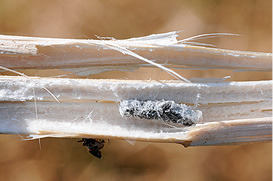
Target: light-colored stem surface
[(233, 112), (72, 54)]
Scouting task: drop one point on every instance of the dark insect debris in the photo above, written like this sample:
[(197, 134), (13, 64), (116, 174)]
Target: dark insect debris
[(167, 111), (93, 145)]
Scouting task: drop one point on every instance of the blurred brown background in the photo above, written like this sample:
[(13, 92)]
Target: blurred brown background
[(65, 159)]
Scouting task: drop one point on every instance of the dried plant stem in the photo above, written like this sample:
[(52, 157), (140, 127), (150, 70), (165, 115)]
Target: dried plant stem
[(234, 112), (72, 54)]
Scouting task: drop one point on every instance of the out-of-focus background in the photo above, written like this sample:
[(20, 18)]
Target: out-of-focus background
[(65, 159)]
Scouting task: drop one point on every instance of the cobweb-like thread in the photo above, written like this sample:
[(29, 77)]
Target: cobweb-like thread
[(167, 111)]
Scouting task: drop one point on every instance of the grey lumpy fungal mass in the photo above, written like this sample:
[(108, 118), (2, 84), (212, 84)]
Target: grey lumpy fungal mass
[(167, 111)]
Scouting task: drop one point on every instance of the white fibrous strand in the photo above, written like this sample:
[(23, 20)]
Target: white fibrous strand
[(167, 111)]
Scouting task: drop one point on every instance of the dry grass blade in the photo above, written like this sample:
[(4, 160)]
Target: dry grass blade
[(72, 54)]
